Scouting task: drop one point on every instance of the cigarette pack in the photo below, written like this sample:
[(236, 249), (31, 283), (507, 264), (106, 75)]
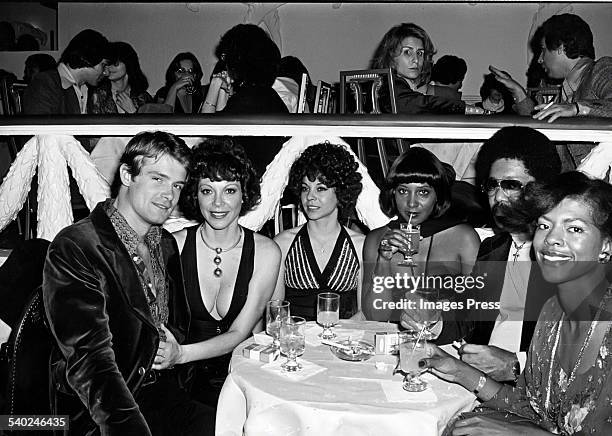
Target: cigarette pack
[(263, 353), (387, 342)]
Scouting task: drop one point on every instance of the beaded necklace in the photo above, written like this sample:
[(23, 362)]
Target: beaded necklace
[(574, 370)]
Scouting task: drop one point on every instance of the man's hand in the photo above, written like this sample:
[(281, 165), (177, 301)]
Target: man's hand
[(518, 92), (169, 352), (491, 426), (491, 360), (555, 111)]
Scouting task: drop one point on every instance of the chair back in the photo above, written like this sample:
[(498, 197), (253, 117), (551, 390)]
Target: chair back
[(302, 107), (545, 94), (11, 94), (28, 353), (365, 87), (322, 98)]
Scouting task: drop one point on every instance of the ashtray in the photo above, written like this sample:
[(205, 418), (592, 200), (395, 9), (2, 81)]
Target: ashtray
[(353, 350)]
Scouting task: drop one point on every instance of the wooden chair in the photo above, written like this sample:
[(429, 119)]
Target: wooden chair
[(322, 98), (11, 94), (545, 94), (365, 86)]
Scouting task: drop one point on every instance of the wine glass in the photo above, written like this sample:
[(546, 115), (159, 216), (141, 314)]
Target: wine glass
[(292, 341), (410, 352), (276, 311), (413, 234), (328, 313)]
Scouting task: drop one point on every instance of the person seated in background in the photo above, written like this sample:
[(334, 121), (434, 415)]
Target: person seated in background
[(408, 51), (27, 42), (64, 90), (566, 385), (242, 84), (229, 271), (496, 99), (183, 89), (125, 88), (322, 255), (417, 190), (447, 76), (287, 83), (567, 54), (112, 290), (36, 63), (506, 162), (251, 62)]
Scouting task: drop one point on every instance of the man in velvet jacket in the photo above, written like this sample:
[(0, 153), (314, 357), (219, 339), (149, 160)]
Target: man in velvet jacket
[(112, 286), (511, 158)]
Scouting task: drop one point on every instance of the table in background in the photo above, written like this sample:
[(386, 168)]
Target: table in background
[(345, 399)]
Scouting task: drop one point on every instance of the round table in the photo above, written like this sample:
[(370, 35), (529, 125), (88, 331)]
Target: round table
[(344, 398)]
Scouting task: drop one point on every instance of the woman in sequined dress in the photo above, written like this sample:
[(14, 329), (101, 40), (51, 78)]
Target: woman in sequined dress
[(566, 387)]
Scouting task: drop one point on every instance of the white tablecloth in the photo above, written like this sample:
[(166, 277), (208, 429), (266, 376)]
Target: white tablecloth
[(345, 399)]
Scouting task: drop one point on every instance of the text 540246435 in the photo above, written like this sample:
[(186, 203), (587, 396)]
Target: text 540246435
[(34, 422)]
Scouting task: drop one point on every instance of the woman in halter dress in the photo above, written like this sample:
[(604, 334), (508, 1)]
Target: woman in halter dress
[(229, 271), (322, 255)]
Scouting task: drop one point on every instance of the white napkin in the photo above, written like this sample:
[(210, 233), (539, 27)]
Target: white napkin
[(262, 338), (308, 369), (395, 393)]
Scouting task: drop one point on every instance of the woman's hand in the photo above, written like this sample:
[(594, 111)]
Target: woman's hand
[(447, 367), (185, 80), (392, 242), (486, 425), (125, 102), (555, 111), (169, 352)]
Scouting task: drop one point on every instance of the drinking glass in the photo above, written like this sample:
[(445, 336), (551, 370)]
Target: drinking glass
[(424, 313), (413, 234), (410, 352), (328, 313), (292, 341), (276, 311)]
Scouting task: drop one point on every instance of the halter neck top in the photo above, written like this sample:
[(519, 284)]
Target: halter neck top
[(304, 280)]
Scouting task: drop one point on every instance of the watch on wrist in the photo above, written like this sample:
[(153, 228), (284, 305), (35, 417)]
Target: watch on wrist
[(516, 369)]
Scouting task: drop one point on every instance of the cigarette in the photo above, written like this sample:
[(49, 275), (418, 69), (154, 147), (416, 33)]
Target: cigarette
[(547, 106), (457, 345)]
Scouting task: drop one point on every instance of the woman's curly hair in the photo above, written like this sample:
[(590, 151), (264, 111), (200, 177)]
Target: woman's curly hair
[(334, 166), (219, 159)]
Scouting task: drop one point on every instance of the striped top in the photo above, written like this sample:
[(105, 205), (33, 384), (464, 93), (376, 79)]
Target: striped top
[(304, 280)]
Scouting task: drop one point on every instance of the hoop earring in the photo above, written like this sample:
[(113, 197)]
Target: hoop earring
[(604, 257)]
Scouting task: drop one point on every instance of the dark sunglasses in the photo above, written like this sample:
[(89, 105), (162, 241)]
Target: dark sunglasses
[(509, 186)]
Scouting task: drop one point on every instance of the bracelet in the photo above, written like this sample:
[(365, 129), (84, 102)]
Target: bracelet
[(481, 383), (577, 108), (210, 104)]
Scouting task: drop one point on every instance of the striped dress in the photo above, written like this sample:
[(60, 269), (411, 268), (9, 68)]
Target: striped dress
[(304, 280)]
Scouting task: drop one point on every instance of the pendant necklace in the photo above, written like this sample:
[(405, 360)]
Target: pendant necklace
[(218, 250), (517, 249)]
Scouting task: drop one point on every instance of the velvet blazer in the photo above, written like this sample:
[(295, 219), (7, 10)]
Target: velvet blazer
[(101, 321), (491, 264), (45, 96)]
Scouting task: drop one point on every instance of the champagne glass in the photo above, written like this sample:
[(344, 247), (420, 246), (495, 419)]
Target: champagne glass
[(410, 352), (328, 313), (413, 234), (276, 311), (292, 341)]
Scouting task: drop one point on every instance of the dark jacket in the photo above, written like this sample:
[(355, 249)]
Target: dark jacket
[(491, 264), (413, 102), (45, 96), (99, 316)]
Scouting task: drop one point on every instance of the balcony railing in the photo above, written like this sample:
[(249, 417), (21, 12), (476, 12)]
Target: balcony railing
[(53, 147)]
